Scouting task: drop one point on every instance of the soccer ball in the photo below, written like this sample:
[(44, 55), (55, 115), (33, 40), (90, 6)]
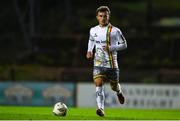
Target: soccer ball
[(60, 109)]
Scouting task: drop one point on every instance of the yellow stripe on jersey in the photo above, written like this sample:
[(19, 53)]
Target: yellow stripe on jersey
[(108, 40), (97, 76)]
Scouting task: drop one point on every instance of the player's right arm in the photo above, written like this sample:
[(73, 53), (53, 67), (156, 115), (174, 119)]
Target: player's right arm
[(91, 44)]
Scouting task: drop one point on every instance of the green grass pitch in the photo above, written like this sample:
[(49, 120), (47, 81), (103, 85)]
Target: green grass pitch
[(45, 113)]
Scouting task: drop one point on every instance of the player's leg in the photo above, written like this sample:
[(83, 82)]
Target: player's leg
[(99, 79), (113, 76), (115, 86), (100, 97)]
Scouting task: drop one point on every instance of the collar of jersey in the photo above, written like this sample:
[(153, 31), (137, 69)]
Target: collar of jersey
[(105, 26)]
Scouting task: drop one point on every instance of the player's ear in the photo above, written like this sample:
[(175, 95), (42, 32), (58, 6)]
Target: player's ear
[(97, 17), (109, 15)]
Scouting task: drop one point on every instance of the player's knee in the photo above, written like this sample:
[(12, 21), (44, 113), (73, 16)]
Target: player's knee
[(114, 85), (98, 82)]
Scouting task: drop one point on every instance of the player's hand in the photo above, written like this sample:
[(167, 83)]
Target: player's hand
[(89, 55)]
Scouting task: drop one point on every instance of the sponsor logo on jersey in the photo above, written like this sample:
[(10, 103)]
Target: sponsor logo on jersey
[(102, 41)]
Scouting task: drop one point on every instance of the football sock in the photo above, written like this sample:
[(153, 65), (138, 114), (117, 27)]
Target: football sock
[(119, 90), (100, 97)]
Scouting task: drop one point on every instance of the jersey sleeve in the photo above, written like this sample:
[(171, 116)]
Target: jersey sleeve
[(90, 42), (120, 44)]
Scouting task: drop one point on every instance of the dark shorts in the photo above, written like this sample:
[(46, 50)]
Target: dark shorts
[(111, 74)]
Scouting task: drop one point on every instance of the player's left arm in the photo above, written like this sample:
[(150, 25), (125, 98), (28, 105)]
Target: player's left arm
[(120, 43)]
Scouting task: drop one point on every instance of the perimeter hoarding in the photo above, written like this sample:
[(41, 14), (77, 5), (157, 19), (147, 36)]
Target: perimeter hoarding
[(137, 96), (36, 93)]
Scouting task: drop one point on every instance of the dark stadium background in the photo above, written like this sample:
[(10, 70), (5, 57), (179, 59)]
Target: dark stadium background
[(46, 40)]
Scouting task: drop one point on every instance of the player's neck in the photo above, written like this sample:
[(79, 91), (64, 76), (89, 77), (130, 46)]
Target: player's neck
[(104, 25)]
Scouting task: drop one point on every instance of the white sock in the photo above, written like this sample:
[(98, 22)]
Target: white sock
[(100, 97), (119, 90)]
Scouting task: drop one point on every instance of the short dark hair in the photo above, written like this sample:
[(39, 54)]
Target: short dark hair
[(103, 9)]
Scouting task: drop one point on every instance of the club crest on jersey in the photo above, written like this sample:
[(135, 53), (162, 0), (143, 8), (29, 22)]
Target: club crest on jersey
[(95, 35)]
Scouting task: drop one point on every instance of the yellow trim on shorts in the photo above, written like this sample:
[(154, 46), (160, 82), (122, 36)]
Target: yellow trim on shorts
[(97, 76)]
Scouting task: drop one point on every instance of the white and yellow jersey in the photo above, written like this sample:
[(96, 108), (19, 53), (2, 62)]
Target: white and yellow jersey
[(111, 37)]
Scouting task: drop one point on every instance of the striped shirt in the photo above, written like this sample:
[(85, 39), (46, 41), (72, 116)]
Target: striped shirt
[(109, 36)]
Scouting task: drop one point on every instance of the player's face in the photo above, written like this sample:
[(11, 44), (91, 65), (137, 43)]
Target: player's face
[(103, 18)]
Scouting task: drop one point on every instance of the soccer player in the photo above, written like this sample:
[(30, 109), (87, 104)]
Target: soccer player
[(107, 40)]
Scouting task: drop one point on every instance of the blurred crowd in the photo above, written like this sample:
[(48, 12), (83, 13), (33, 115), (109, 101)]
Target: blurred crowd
[(51, 37)]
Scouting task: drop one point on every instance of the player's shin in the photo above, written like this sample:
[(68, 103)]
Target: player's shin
[(120, 95), (115, 86), (119, 90), (100, 97)]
